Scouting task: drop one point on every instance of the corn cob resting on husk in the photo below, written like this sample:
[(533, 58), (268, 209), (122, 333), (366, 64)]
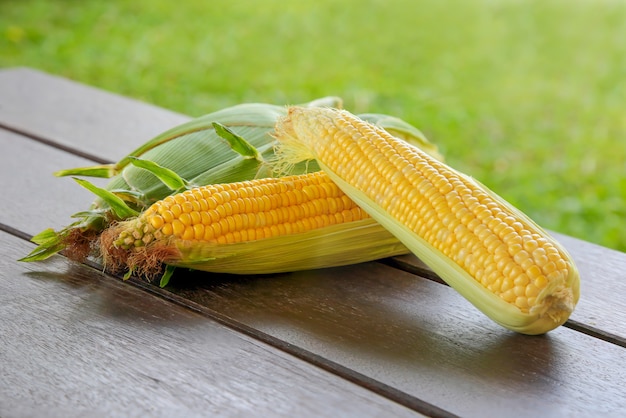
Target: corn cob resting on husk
[(258, 226), (229, 146), (490, 252)]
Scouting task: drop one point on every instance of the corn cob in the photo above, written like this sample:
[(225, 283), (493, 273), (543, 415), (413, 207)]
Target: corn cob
[(490, 252), (291, 223)]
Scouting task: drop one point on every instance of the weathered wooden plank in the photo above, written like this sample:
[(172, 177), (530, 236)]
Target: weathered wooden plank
[(76, 343), (32, 198), (421, 338), (63, 112)]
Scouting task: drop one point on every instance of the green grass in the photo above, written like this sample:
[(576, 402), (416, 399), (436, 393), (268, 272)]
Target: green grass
[(527, 96)]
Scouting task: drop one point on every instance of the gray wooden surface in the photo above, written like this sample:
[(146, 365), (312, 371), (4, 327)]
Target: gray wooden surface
[(377, 339)]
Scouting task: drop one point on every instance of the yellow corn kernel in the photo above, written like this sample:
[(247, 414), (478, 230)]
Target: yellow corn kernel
[(230, 219), (393, 180)]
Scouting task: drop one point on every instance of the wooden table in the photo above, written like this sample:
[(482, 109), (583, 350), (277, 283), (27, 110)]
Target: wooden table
[(377, 339)]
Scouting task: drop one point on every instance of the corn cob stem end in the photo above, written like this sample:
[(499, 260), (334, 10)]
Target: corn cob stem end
[(144, 260)]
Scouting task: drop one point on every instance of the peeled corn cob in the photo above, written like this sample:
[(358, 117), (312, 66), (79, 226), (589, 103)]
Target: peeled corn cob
[(494, 255), (206, 227)]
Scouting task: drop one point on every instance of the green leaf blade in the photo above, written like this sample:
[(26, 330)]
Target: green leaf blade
[(237, 143), (119, 208), (168, 177), (48, 243), (167, 275), (100, 171)]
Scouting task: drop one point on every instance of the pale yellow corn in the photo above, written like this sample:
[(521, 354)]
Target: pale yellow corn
[(430, 206)]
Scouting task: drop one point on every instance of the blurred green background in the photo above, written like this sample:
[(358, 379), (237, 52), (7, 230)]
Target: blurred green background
[(527, 96)]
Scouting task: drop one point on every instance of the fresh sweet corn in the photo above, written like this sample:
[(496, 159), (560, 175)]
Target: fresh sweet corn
[(244, 211), (494, 255), (203, 227)]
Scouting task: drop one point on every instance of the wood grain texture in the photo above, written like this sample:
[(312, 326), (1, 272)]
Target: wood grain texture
[(76, 343), (32, 198), (422, 338), (32, 101)]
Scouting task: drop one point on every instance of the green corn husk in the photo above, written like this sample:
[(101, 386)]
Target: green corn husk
[(331, 246), (209, 150)]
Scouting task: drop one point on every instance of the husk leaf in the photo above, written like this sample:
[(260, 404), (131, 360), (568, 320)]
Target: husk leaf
[(335, 245)]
